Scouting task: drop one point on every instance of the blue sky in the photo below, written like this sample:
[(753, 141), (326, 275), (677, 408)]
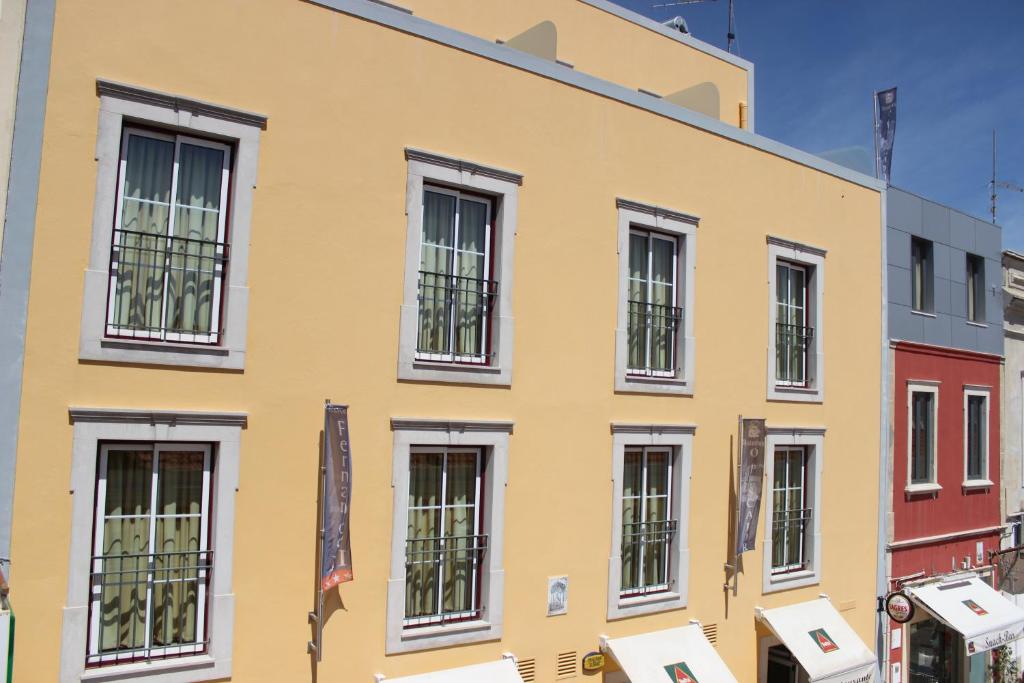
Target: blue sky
[(959, 67)]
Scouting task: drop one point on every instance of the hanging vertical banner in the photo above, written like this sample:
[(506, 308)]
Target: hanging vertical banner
[(336, 549), (885, 132), (752, 443)]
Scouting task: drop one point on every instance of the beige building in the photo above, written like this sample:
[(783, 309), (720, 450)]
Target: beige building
[(477, 224)]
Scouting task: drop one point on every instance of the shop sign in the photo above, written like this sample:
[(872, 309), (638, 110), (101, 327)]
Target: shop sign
[(899, 607), (593, 662), (990, 641), (822, 639), (680, 673), (975, 607)]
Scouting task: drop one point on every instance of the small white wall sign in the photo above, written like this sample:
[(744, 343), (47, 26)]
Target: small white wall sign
[(558, 595)]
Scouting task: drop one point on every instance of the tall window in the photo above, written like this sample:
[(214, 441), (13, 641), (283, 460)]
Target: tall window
[(653, 317), (151, 560), (444, 546), (975, 288), (922, 437), (456, 294), (791, 510), (647, 530), (793, 332), (168, 255), (921, 286), (977, 436)]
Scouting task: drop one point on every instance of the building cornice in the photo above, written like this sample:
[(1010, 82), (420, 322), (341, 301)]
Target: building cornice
[(657, 211), (431, 425), (156, 98), (795, 246), (634, 428), (471, 167), (154, 417)]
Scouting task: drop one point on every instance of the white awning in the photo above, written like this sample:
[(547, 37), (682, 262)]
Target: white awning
[(968, 605), (501, 671), (821, 640), (646, 658)]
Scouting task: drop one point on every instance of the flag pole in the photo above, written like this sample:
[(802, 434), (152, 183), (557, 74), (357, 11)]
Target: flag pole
[(316, 617)]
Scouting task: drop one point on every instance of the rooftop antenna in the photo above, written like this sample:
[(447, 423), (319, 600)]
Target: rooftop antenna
[(996, 184), (730, 36)]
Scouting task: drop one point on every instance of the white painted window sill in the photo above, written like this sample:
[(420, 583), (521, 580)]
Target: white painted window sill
[(651, 599), (926, 314), (414, 634), (974, 324), (788, 580), (976, 484), (913, 489), (138, 671), (654, 384), (786, 392)]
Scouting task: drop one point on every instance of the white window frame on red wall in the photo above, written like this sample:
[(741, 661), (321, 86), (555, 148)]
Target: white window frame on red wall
[(984, 392), (923, 387)]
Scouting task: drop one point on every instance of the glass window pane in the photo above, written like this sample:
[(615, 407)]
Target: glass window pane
[(425, 479), (638, 257), (632, 473), (438, 218), (662, 258), (657, 473), (461, 481)]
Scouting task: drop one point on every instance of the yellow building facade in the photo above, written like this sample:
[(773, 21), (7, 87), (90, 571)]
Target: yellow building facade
[(341, 130)]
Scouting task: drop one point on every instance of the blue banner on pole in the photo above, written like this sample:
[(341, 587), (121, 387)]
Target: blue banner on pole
[(336, 558), (885, 132)]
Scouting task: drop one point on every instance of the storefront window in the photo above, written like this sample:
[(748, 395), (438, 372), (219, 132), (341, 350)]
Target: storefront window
[(934, 653)]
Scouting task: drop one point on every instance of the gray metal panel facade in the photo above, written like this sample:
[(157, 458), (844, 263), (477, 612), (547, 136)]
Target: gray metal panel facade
[(954, 235)]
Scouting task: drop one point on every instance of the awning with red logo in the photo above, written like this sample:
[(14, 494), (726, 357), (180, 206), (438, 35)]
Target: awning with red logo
[(822, 642), (501, 671), (974, 609), (683, 653)]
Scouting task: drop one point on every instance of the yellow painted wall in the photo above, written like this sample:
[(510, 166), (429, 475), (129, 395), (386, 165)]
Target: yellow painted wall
[(598, 43), (344, 98)]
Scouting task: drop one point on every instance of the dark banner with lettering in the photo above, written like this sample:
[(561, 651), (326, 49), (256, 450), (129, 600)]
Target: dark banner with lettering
[(885, 132), (752, 444), (336, 558)]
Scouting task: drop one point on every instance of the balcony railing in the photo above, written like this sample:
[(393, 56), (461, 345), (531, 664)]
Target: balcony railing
[(165, 286), (791, 345), (789, 539), (653, 331), (148, 605), (645, 556), (443, 579), (454, 318)]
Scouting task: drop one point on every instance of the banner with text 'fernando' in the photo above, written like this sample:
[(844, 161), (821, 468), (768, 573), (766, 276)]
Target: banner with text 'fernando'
[(752, 444), (336, 558)]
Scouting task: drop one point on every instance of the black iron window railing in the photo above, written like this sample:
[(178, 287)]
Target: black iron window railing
[(646, 556), (166, 286), (653, 331), (148, 605), (789, 540), (792, 343), (455, 318), (442, 579)]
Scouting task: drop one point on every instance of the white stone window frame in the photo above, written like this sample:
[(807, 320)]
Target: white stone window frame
[(493, 438), (123, 106), (812, 259), (813, 440), (682, 227), (426, 169), (91, 428), (985, 392), (926, 387), (678, 437)]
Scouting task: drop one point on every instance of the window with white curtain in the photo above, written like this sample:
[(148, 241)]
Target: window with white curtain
[(791, 510), (445, 542), (648, 530), (653, 318), (169, 251), (793, 333), (151, 561), (456, 291)]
